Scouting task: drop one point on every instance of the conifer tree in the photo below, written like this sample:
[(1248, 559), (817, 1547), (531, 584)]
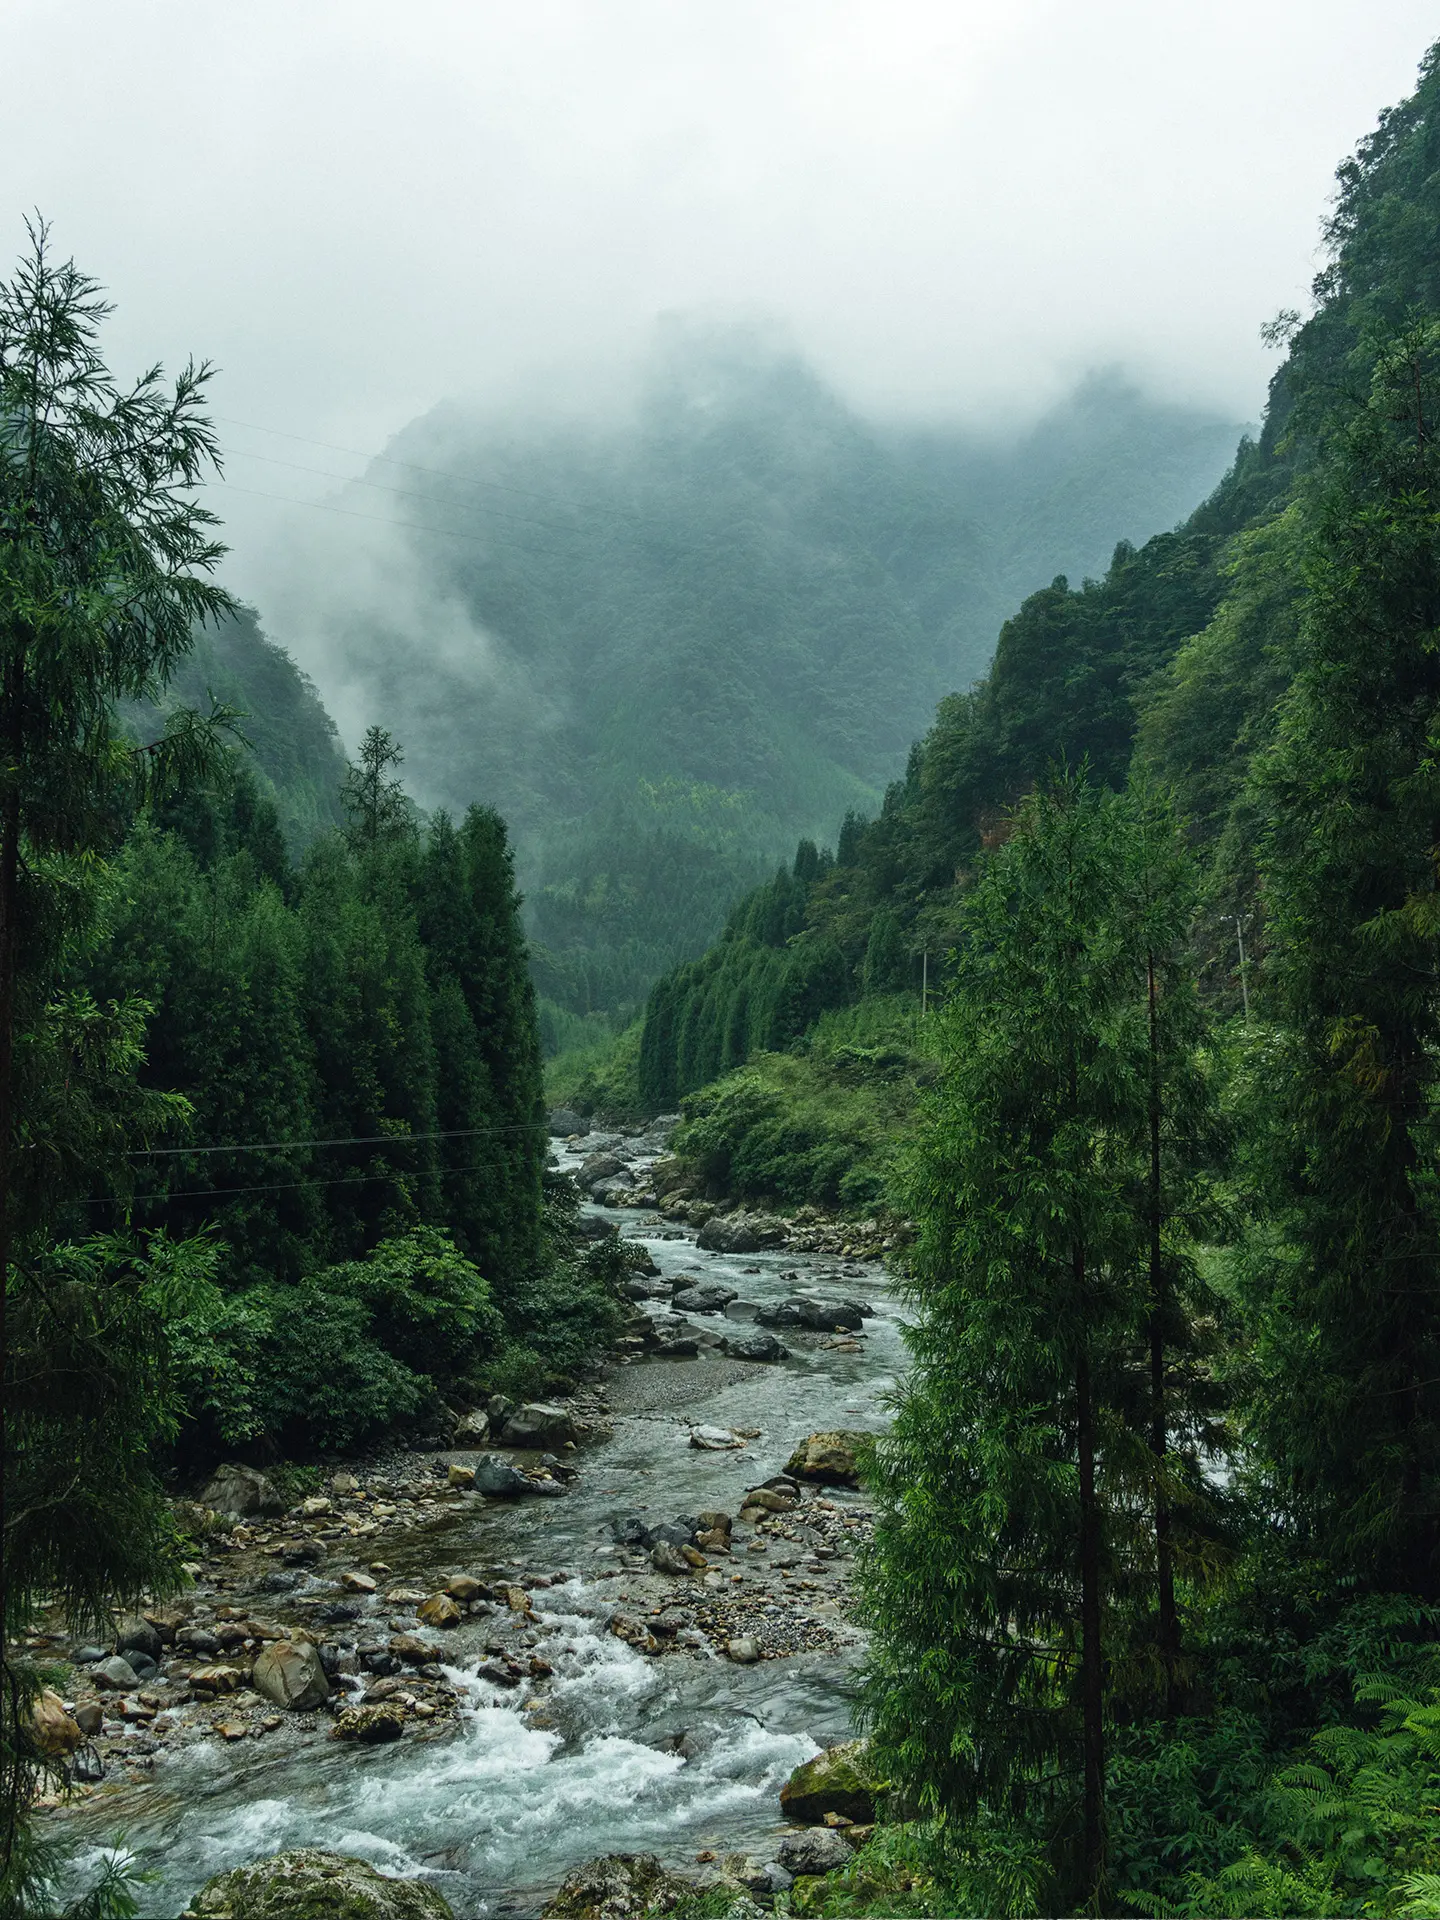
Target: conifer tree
[(1349, 1327)]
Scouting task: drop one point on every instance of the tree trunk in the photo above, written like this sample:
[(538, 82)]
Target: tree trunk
[(1092, 1684), (1169, 1624)]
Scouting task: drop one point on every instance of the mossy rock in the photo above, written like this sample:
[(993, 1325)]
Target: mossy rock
[(307, 1884), (840, 1780), (831, 1458), (619, 1886)]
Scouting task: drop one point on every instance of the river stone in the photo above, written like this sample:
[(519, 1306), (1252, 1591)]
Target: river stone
[(414, 1651), (197, 1640), (744, 1650), (599, 1166), (564, 1122), (539, 1425), (706, 1296), (471, 1429), (238, 1491), (815, 1850), (459, 1477), (618, 1886), (290, 1675), (714, 1439), (464, 1587), (372, 1726), (307, 1884), (137, 1635), (115, 1674), (357, 1582), (831, 1458), (666, 1558), (51, 1728), (771, 1501), (740, 1233), (438, 1611), (840, 1780), (498, 1478), (755, 1346)]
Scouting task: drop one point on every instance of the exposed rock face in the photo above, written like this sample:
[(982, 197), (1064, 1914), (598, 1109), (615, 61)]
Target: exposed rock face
[(310, 1885), (291, 1675), (830, 1458), (238, 1491), (840, 1780), (539, 1425), (619, 1886), (740, 1233)]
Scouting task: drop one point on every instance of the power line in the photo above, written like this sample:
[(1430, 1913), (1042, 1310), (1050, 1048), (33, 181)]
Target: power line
[(272, 1186), (352, 1140)]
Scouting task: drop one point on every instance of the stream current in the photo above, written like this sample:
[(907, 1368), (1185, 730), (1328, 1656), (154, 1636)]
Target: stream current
[(497, 1810)]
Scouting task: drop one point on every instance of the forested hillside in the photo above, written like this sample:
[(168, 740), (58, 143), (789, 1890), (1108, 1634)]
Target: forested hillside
[(667, 645)]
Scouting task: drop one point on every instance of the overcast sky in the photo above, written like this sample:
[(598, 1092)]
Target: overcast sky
[(360, 208)]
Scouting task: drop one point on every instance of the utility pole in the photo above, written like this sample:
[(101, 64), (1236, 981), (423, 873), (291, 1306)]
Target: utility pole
[(1241, 921)]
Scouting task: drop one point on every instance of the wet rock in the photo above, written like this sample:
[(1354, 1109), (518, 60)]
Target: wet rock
[(439, 1611), (668, 1559), (87, 1767), (599, 1166), (90, 1718), (830, 1458), (306, 1553), (630, 1530), (114, 1675), (471, 1429), (564, 1123), (706, 1296), (744, 1649), (358, 1582), (838, 1781), (414, 1651), (465, 1588), (633, 1632), (371, 1726), (539, 1425), (619, 1886), (307, 1884), (197, 1640), (769, 1500), (498, 1478), (237, 1492), (137, 1635), (760, 1346), (714, 1439), (222, 1678), (815, 1850), (591, 1227), (54, 1732), (462, 1478), (292, 1676), (87, 1656), (740, 1233)]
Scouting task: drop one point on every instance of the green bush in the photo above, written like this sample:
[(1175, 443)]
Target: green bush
[(322, 1381), (429, 1306)]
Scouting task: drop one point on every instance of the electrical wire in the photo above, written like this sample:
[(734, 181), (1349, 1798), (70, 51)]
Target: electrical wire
[(273, 1186), (352, 1140)]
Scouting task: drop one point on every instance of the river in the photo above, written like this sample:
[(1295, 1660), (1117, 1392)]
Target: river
[(625, 1751)]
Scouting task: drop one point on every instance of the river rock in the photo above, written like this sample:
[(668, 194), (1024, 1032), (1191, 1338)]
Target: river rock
[(830, 1458), (223, 1678), (666, 1558), (471, 1429), (817, 1316), (291, 1675), (372, 1727), (770, 1500), (357, 1582), (238, 1491), (498, 1478), (706, 1296), (714, 1439), (439, 1611), (744, 1650), (755, 1346), (539, 1425), (462, 1478), (815, 1850), (740, 1233), (619, 1886), (138, 1635), (414, 1651), (114, 1675), (464, 1587), (564, 1122), (840, 1780), (51, 1727), (599, 1166), (197, 1640), (308, 1884)]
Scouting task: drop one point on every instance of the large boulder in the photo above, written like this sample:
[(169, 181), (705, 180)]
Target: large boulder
[(705, 1296), (816, 1850), (498, 1478), (740, 1233), (308, 1884), (539, 1425), (830, 1458), (758, 1345), (51, 1727), (599, 1166), (136, 1634), (840, 1780), (290, 1673), (238, 1492), (564, 1122), (818, 1316), (619, 1886), (471, 1429)]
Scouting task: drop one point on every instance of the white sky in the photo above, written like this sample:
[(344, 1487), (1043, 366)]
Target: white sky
[(358, 209)]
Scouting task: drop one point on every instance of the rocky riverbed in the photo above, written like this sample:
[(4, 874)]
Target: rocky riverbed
[(618, 1628)]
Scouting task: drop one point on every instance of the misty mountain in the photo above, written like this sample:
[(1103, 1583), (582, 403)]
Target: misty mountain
[(668, 643)]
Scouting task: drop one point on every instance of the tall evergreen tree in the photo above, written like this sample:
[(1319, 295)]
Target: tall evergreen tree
[(1350, 1325)]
